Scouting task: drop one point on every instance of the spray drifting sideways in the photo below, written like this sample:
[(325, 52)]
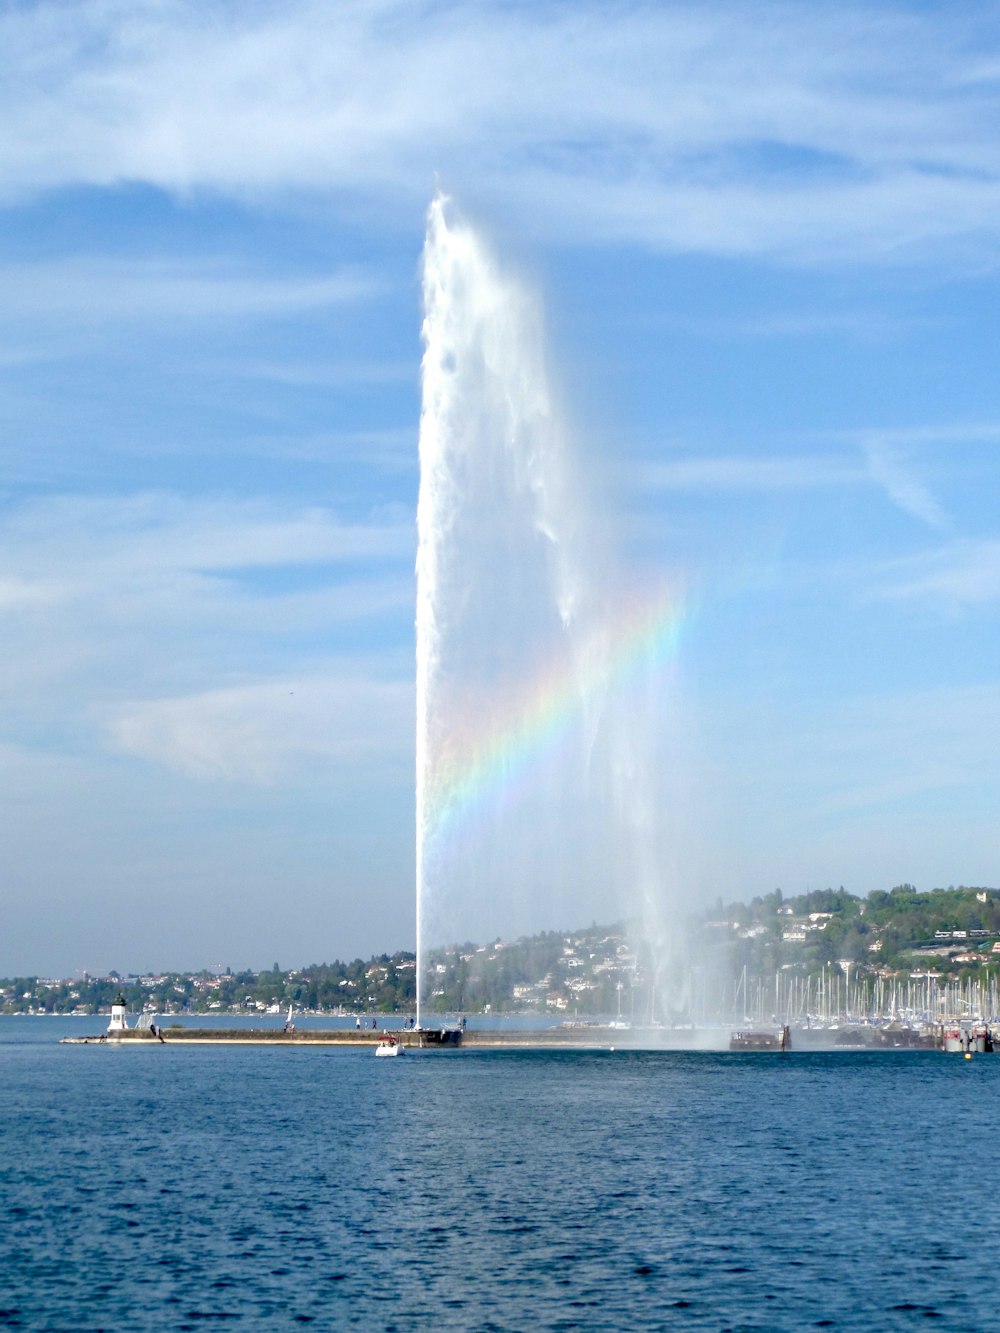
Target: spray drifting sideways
[(527, 654)]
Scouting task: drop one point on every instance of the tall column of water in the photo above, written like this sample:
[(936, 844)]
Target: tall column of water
[(502, 585), (496, 571), (530, 776)]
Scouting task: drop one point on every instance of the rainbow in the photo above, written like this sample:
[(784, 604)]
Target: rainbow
[(466, 777)]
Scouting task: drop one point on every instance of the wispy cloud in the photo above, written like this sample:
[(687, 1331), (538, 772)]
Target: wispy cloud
[(88, 288), (891, 468), (310, 374), (946, 433), (18, 594), (862, 754), (730, 473), (158, 531), (798, 132), (894, 459), (391, 452), (888, 748), (962, 573), (141, 596), (862, 324), (898, 459), (260, 733)]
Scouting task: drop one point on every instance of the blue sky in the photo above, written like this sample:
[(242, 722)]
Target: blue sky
[(766, 237)]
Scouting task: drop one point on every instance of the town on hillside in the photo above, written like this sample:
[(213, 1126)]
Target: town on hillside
[(817, 955)]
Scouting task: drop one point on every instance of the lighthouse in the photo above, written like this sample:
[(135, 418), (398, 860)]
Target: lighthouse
[(118, 1023)]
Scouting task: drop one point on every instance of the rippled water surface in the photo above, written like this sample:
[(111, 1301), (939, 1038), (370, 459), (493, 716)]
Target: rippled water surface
[(161, 1188)]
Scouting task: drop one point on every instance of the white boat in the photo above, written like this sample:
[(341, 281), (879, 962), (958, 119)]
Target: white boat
[(388, 1046)]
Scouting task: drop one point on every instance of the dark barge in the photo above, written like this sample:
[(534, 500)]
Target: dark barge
[(762, 1041)]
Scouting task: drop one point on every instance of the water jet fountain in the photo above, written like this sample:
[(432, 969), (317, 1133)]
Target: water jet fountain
[(536, 672)]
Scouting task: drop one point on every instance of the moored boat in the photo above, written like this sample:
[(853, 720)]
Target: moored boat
[(981, 1039), (761, 1041), (977, 1040)]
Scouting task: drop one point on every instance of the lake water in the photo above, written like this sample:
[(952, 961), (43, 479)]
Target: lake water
[(158, 1188)]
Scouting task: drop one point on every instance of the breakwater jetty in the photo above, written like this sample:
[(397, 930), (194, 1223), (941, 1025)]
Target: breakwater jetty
[(583, 1036), (411, 1038), (954, 1036)]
